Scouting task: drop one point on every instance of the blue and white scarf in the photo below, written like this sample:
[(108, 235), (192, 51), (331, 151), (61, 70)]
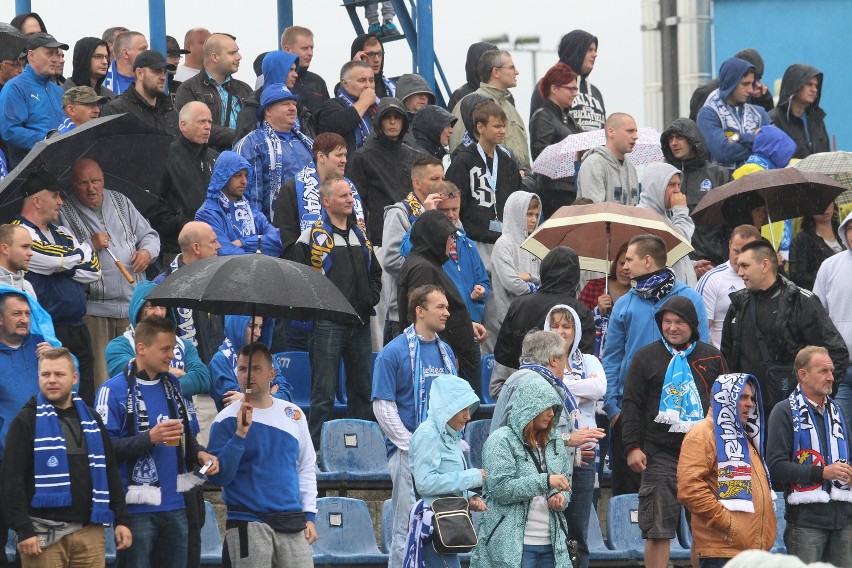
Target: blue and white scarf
[(365, 127), (419, 533), (730, 118), (680, 404), (144, 482), (733, 459), (322, 244), (310, 204), (390, 86), (655, 286), (275, 151), (240, 214), (417, 374), (50, 461), (571, 408), (808, 450)]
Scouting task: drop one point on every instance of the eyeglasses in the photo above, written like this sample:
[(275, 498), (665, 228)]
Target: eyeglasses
[(100, 56), (11, 63), (374, 54), (510, 67), (574, 90)]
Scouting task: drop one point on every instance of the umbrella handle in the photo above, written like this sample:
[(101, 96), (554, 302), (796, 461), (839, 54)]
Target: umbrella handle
[(124, 271)]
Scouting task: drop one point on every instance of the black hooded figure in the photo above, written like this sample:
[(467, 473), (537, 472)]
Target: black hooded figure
[(18, 21), (424, 265), (560, 278), (811, 136), (384, 86), (474, 52), (428, 124), (381, 169), (81, 75), (588, 110)]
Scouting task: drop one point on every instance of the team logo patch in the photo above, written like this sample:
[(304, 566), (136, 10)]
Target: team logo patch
[(293, 413), (52, 461), (145, 471), (706, 185)]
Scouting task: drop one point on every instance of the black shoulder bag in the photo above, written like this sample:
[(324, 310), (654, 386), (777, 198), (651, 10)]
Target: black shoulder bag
[(560, 515), (779, 380)]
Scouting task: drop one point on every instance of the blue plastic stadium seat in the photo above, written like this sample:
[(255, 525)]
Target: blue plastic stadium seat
[(487, 369), (622, 529), (296, 368), (352, 450), (211, 540), (683, 532), (345, 533), (780, 523), (598, 550), (475, 434)]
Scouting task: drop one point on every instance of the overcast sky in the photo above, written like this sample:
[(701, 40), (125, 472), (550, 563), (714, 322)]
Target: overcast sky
[(458, 23)]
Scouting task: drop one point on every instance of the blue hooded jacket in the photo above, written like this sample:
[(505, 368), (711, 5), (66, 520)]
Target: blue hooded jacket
[(276, 66), (222, 375), (774, 145), (122, 349), (225, 215), (437, 463), (720, 148)]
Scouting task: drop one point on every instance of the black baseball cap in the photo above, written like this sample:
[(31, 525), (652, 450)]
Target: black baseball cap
[(173, 47), (152, 59), (43, 39)]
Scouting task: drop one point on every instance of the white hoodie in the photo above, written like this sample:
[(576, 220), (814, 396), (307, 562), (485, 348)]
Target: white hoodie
[(832, 287)]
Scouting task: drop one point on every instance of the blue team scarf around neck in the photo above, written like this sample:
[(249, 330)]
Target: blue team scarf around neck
[(568, 400), (365, 127), (390, 86), (417, 374), (322, 244), (309, 202), (680, 404), (808, 449), (276, 160), (656, 286), (240, 214), (50, 461), (742, 119), (733, 459)]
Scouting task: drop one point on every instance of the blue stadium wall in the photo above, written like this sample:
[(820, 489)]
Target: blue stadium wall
[(816, 32)]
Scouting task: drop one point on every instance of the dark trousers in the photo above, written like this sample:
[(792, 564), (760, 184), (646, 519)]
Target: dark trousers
[(624, 479), (77, 340), (195, 516)]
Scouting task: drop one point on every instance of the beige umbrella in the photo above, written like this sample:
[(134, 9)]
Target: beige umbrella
[(837, 165), (592, 230)]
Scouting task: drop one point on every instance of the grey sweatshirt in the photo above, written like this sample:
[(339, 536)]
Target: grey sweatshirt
[(603, 178), (128, 232), (16, 280)]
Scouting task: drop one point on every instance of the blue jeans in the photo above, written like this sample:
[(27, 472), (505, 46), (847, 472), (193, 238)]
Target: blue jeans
[(844, 396), (819, 545), (579, 509), (159, 541), (435, 560), (330, 342), (537, 556)]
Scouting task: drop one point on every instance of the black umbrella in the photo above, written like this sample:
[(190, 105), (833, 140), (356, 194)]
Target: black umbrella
[(254, 284), (12, 42), (131, 154)]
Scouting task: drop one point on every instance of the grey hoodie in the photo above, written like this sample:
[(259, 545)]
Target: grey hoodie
[(508, 260), (655, 178), (16, 280), (603, 178)]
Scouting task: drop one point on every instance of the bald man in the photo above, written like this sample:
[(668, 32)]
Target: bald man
[(188, 171), (605, 173), (216, 86), (102, 219), (193, 42)]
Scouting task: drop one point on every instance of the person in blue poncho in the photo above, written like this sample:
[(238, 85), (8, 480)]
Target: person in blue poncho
[(240, 227), (240, 331)]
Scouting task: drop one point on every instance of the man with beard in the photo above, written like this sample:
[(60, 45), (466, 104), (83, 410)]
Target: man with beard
[(145, 98)]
